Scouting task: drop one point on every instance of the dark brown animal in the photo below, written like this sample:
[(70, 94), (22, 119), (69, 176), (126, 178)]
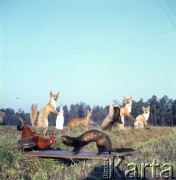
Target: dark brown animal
[(103, 142)]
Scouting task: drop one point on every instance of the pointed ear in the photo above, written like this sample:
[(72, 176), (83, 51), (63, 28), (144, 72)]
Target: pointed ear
[(57, 95), (51, 93), (143, 108)]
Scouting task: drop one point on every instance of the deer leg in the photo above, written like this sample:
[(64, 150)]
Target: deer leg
[(84, 128), (69, 129)]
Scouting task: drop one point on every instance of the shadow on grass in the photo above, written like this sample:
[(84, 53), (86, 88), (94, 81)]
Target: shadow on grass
[(123, 150), (101, 172)]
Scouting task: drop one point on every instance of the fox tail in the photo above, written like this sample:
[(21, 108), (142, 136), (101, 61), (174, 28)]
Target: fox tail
[(33, 114)]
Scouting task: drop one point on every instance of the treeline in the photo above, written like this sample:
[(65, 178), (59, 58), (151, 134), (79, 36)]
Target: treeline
[(162, 112)]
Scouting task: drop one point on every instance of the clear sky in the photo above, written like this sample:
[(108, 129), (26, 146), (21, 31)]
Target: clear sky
[(92, 51)]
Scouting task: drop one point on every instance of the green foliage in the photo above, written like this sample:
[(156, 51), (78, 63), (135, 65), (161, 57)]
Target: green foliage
[(162, 112)]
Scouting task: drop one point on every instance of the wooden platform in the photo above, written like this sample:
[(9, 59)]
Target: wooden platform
[(68, 155)]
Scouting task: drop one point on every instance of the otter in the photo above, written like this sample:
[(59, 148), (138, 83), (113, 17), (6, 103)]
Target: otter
[(103, 142)]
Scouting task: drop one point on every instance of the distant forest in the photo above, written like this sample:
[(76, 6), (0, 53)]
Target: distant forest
[(162, 112)]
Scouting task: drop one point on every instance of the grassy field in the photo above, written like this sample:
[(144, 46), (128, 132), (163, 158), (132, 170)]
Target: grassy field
[(141, 148)]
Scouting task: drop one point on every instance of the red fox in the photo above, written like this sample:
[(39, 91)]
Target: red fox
[(126, 110), (42, 120), (80, 121), (141, 120)]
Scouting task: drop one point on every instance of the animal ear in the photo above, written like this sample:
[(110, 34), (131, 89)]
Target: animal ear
[(51, 93), (124, 98), (57, 95), (143, 108), (148, 107)]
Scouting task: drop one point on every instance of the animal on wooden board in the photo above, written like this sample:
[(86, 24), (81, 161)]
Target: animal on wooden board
[(102, 140), (30, 139)]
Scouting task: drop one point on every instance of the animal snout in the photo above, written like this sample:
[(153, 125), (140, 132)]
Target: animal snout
[(61, 139)]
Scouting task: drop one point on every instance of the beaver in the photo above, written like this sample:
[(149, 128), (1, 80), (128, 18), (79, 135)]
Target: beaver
[(103, 142)]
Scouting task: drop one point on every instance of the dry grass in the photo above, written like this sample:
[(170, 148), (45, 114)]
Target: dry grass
[(158, 143)]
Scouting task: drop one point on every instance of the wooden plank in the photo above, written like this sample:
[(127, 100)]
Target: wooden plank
[(68, 154)]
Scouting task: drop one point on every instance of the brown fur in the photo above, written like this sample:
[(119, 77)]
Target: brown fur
[(80, 121), (103, 142), (126, 110), (42, 120)]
